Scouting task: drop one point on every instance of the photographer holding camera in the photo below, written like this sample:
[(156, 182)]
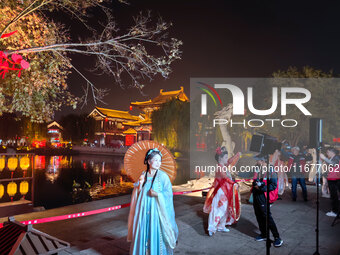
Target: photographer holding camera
[(260, 184)]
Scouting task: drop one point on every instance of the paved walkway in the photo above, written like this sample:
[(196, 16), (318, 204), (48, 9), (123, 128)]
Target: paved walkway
[(106, 233)]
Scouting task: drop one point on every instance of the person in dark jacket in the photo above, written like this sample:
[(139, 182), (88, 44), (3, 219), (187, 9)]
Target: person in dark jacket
[(259, 200), (296, 166)]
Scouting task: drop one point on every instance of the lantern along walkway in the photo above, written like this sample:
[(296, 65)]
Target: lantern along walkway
[(12, 187), (16, 238), (92, 212), (105, 233)]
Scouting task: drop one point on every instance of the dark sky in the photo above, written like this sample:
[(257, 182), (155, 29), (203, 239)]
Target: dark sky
[(227, 39)]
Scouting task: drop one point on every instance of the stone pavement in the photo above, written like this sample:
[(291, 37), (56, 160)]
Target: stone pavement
[(106, 233)]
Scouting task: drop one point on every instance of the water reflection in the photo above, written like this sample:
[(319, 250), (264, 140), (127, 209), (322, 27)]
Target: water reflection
[(65, 180), (15, 177), (62, 180)]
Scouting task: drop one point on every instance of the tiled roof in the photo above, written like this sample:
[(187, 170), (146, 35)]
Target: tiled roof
[(54, 123), (130, 131), (138, 123), (163, 97), (110, 113), (17, 238)]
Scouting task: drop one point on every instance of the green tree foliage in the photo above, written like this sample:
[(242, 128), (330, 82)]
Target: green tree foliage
[(12, 127), (32, 130), (76, 128), (171, 125), (42, 89), (324, 103), (9, 126)]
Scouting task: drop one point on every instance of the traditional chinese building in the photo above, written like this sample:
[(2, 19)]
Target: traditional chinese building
[(109, 127), (54, 130), (144, 126), (153, 104), (114, 125)]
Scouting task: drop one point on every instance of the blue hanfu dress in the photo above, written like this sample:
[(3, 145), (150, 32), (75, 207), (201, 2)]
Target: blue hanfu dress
[(152, 228)]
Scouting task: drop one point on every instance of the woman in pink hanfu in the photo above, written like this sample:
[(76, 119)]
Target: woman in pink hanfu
[(220, 202)]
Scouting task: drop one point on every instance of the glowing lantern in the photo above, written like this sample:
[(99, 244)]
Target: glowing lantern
[(2, 190), (23, 188), (2, 163), (11, 189), (12, 163), (24, 163)]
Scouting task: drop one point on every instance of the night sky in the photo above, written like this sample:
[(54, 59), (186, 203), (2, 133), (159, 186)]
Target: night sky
[(225, 39)]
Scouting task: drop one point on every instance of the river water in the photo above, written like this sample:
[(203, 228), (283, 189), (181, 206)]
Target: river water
[(64, 180)]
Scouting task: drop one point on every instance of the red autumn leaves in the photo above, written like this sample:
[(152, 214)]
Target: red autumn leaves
[(14, 62), (8, 34)]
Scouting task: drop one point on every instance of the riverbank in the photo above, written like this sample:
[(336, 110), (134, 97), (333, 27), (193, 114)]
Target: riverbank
[(100, 151), (106, 233)]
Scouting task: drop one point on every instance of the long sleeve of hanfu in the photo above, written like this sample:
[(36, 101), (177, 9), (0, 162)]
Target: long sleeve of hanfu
[(167, 212), (133, 202)]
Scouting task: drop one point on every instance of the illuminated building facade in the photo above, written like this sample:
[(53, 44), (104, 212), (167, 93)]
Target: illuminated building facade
[(109, 129), (54, 133), (113, 125)]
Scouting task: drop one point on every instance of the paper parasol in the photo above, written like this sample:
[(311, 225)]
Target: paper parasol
[(135, 155)]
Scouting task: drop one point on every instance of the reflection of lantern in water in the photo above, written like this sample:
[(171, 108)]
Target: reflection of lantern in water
[(51, 176), (39, 162), (2, 190), (24, 163), (11, 189), (23, 188), (12, 163), (65, 162), (96, 168), (2, 163), (54, 163)]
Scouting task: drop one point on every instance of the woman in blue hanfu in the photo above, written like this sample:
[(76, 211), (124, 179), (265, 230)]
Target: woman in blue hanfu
[(152, 228)]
